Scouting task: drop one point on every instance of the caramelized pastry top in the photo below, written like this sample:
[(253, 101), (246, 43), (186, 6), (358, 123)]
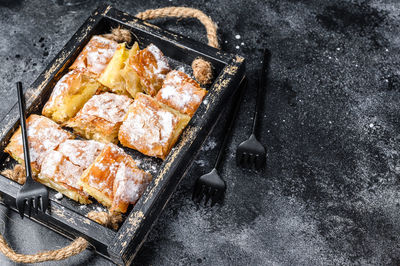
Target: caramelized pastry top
[(44, 135), (68, 162), (181, 92), (67, 82), (129, 184), (96, 55), (151, 66), (149, 126), (81, 152), (108, 106), (115, 174)]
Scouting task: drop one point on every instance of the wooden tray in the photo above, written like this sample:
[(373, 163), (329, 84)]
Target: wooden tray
[(68, 217)]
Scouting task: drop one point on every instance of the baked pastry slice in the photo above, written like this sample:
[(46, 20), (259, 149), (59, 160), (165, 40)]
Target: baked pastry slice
[(151, 66), (151, 127), (101, 117), (95, 55), (63, 167), (70, 93), (181, 92), (114, 180), (118, 75), (44, 136)]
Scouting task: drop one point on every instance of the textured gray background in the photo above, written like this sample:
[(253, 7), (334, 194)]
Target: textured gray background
[(330, 192)]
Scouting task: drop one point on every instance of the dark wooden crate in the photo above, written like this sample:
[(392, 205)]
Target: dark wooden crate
[(65, 216)]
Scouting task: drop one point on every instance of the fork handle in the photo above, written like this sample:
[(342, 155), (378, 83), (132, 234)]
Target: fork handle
[(231, 120), (262, 85), (27, 158)]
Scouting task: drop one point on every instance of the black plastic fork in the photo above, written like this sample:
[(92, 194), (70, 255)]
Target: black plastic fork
[(251, 153), (211, 185), (32, 193)]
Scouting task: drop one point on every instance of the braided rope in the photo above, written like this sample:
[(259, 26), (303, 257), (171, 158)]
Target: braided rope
[(202, 69), (184, 12), (76, 247)]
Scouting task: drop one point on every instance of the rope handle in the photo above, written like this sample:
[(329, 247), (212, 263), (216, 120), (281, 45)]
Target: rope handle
[(184, 12), (76, 247), (202, 70)]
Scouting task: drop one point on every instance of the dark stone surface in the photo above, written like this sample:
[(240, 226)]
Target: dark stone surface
[(330, 192)]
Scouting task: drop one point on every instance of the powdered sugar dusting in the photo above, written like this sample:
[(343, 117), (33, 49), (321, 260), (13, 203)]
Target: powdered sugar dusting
[(44, 135), (166, 120), (129, 184), (81, 152), (66, 165), (96, 55), (62, 85), (162, 63), (109, 106), (181, 92), (148, 126)]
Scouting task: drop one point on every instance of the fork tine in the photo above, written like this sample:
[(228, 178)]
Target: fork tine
[(207, 193), (45, 203), (214, 197), (29, 201), (246, 159), (36, 204), (201, 193), (21, 208), (253, 158)]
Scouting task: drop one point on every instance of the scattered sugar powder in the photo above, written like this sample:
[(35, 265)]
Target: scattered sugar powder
[(201, 163), (209, 145), (100, 209), (181, 69), (58, 196)]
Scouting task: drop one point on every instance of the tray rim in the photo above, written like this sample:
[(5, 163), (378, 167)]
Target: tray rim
[(121, 244)]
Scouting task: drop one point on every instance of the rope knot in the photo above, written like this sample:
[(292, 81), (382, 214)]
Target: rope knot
[(119, 35), (202, 71)]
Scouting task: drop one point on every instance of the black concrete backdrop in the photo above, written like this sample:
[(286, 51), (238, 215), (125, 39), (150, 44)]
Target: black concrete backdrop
[(330, 192)]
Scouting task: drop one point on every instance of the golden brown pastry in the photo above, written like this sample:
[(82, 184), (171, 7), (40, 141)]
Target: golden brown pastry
[(63, 167), (95, 55), (151, 66), (181, 92), (70, 93), (114, 180), (44, 136), (151, 127), (101, 117), (118, 75)]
